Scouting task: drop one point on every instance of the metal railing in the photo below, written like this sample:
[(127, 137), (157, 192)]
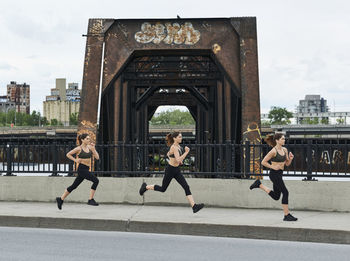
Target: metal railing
[(226, 160)]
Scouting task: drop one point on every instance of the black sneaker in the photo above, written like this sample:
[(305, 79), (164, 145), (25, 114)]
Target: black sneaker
[(289, 217), (143, 188), (92, 202), (256, 184), (197, 207), (59, 202)]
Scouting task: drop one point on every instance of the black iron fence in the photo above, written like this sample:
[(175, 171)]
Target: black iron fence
[(228, 160)]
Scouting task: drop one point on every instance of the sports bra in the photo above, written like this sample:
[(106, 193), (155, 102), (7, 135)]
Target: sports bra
[(173, 156), (279, 157), (84, 155)]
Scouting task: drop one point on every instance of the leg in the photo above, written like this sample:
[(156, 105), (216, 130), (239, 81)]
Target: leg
[(276, 192), (65, 194), (285, 209), (281, 187), (264, 188), (95, 181), (182, 181), (75, 184), (285, 195), (168, 176)]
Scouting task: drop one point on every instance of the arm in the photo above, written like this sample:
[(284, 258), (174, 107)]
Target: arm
[(94, 152), (290, 157), (179, 158), (72, 152), (269, 156)]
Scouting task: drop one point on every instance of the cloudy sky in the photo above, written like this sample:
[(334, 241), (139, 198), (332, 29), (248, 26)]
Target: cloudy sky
[(303, 45)]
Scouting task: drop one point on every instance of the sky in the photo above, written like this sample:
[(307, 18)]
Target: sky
[(303, 46)]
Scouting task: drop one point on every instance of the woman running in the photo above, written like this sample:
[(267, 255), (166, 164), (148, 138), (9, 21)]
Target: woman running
[(279, 158), (84, 152), (173, 170)]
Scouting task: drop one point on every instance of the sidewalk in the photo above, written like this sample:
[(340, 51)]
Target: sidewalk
[(326, 227)]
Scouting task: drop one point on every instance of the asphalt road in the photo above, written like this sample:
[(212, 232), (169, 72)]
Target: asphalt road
[(52, 244)]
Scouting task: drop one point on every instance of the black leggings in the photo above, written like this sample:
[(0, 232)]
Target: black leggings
[(83, 173), (170, 173), (278, 186)]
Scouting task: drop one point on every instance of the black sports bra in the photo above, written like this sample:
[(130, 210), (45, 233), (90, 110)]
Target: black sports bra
[(84, 155), (173, 156)]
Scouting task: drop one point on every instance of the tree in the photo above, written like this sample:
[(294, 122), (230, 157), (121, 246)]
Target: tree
[(340, 121), (325, 121), (173, 117), (280, 116), (54, 122), (310, 121), (73, 118)]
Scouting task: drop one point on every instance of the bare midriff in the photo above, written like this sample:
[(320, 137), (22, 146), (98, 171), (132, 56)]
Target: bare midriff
[(85, 162), (280, 165), (173, 162)]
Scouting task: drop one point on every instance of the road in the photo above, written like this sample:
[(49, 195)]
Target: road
[(17, 244)]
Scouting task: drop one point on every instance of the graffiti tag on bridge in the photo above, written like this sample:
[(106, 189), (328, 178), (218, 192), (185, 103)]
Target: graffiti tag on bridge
[(168, 33)]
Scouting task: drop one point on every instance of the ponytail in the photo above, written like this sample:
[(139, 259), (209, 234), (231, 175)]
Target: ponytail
[(170, 138), (271, 138)]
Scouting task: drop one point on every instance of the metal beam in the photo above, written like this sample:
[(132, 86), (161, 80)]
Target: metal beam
[(145, 96)]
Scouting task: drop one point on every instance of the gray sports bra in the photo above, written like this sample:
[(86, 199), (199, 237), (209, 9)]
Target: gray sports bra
[(279, 157)]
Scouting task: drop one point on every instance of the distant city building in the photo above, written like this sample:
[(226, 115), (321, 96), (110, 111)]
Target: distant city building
[(6, 105), (311, 105), (20, 95), (313, 109), (73, 93), (62, 102)]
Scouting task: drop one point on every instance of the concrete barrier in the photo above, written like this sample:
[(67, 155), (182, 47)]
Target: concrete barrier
[(231, 193)]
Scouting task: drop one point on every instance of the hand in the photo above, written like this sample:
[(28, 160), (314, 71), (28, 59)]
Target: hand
[(92, 146), (187, 149), (78, 160), (291, 156)]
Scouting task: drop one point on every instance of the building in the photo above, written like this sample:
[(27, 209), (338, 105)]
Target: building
[(6, 105), (62, 102), (312, 107), (20, 95), (314, 110), (73, 92)]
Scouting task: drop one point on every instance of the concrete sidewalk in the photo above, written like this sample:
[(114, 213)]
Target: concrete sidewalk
[(326, 227)]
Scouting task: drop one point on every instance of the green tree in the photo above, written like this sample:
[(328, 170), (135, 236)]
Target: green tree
[(325, 120), (340, 121), (54, 122), (310, 121), (280, 116), (173, 117), (22, 119), (73, 118)]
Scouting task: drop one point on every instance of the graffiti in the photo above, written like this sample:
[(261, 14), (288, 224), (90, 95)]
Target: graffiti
[(253, 135), (168, 33), (325, 157), (216, 48), (337, 157), (207, 26)]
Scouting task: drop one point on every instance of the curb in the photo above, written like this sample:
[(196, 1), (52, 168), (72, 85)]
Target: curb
[(212, 230)]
